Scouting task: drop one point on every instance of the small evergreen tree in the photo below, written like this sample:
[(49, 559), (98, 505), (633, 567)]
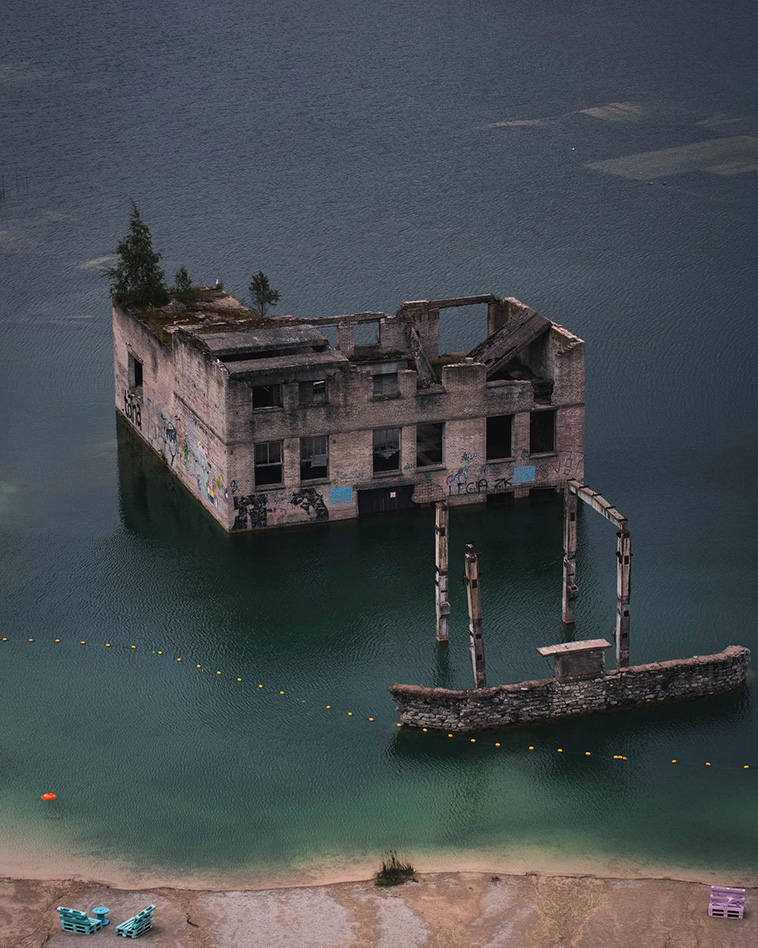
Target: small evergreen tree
[(137, 279), (182, 282), (261, 293)]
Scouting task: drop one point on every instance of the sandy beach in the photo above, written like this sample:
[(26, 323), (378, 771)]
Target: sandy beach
[(436, 910)]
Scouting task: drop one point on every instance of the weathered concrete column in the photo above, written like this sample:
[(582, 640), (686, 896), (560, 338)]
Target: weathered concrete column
[(623, 593), (570, 589), (441, 524), (346, 337), (475, 617)]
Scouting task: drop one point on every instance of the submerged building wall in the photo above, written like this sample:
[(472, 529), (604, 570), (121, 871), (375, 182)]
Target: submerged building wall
[(547, 699), (194, 403)]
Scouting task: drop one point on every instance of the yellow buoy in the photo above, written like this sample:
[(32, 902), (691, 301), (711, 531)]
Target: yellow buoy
[(107, 644), (84, 643), (531, 747), (450, 735), (178, 659), (560, 750), (160, 653), (496, 744), (673, 761), (587, 754), (424, 728), (239, 679), (746, 766), (31, 640), (371, 719), (349, 713), (398, 725), (198, 666)]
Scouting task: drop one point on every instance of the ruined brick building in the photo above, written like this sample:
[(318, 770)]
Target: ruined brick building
[(276, 421)]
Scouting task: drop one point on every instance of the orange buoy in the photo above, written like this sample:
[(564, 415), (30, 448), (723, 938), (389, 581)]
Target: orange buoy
[(49, 796)]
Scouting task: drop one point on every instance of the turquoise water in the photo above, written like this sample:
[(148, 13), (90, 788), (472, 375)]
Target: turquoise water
[(350, 152)]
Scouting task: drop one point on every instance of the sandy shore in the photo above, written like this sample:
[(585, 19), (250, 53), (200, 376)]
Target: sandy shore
[(437, 910)]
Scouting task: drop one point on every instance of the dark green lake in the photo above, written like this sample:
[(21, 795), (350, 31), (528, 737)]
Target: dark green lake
[(352, 152)]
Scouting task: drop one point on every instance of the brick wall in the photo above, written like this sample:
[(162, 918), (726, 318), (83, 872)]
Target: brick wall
[(548, 699)]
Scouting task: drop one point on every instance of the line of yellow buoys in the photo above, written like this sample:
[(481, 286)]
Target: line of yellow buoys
[(425, 730)]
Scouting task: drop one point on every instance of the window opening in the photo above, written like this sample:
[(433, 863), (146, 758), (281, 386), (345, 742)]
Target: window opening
[(135, 372), (429, 443), (499, 437), (385, 384), (366, 334), (267, 396), (542, 432), (313, 393), (314, 458), (268, 463), (386, 450)]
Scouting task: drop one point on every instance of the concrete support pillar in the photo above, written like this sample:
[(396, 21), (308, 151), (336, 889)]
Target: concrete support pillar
[(475, 617), (623, 593), (442, 520), (497, 316), (570, 589), (346, 337)]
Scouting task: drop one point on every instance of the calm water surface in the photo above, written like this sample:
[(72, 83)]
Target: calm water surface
[(362, 154)]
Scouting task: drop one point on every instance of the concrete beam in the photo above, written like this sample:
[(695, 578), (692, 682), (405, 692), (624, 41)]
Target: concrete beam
[(570, 589), (476, 642), (442, 600), (623, 594), (598, 503)]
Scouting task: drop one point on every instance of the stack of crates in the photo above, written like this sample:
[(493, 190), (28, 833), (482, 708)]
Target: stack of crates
[(726, 902), (72, 920), (138, 924)]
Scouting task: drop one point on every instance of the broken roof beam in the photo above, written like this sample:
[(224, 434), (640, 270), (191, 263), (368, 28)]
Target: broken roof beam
[(426, 376), (598, 503), (511, 340), (351, 317), (450, 302)]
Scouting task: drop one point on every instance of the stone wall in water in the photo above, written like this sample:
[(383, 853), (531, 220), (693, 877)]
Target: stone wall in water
[(548, 699)]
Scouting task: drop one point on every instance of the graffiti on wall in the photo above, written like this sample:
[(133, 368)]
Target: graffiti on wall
[(132, 409), (340, 495), (309, 499), (168, 437), (524, 474), (252, 511)]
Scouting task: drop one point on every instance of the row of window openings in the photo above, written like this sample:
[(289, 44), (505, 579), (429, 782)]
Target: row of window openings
[(316, 392), (314, 451)]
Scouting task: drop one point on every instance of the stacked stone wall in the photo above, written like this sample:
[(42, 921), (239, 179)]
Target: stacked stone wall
[(548, 699)]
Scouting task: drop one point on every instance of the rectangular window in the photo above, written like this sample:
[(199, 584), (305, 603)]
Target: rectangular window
[(135, 372), (542, 432), (313, 393), (499, 437), (268, 463), (366, 334), (429, 443), (386, 450), (385, 384), (267, 396), (314, 458)]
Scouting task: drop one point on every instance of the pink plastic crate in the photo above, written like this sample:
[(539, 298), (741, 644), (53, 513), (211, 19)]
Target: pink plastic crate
[(726, 902)]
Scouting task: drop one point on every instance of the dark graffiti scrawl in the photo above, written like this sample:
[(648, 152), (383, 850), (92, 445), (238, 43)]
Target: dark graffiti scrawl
[(251, 509), (168, 437), (312, 503), (132, 409)]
